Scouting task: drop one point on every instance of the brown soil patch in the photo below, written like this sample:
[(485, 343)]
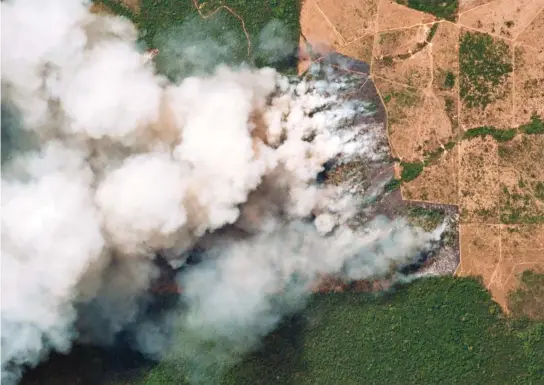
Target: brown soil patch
[(479, 181), (360, 49), (100, 8), (316, 29), (438, 182), (506, 278), (505, 18), (480, 250), (445, 51), (402, 104), (418, 123), (512, 282), (435, 126), (528, 83), (133, 5), (465, 5), (522, 249), (518, 237), (499, 113), (522, 179), (393, 15), (351, 18), (532, 35), (399, 57), (414, 71), (400, 42)]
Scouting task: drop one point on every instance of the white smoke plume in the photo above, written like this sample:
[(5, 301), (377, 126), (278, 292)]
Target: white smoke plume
[(129, 165)]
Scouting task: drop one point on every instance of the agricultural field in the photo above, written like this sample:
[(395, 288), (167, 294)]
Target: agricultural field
[(462, 83)]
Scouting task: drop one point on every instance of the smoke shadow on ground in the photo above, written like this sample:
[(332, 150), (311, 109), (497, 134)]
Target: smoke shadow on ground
[(279, 360), (88, 365)]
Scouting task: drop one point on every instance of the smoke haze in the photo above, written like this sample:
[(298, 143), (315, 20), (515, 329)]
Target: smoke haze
[(118, 164)]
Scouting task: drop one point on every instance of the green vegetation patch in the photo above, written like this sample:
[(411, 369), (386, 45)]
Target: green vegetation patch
[(433, 156), (411, 170), (426, 218), (432, 32), (392, 185), (518, 205), (445, 9), (498, 135), (433, 331), (485, 66), (449, 80), (189, 43), (522, 202), (535, 126), (528, 300)]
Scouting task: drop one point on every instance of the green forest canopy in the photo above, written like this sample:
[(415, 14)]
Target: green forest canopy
[(440, 330)]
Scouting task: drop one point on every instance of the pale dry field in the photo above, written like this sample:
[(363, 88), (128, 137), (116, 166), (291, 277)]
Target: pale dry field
[(413, 74), (528, 82)]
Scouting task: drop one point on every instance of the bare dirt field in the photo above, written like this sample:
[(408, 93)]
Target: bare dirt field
[(532, 35), (402, 104), (438, 182), (134, 5), (392, 15), (504, 18), (480, 250), (526, 236), (411, 67), (522, 249), (351, 18), (317, 29), (479, 181), (466, 5), (445, 56), (528, 83), (100, 8), (360, 48)]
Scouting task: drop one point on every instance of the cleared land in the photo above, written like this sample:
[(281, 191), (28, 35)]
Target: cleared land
[(528, 82), (466, 5), (479, 181), (317, 29), (360, 49), (480, 250), (438, 182), (505, 18), (455, 98), (532, 35), (404, 57), (351, 18), (402, 123), (392, 15), (522, 179)]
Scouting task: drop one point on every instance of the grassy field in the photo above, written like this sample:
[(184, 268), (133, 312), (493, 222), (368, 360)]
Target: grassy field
[(433, 331)]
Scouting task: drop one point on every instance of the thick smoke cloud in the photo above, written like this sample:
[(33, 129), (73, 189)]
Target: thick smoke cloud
[(126, 165)]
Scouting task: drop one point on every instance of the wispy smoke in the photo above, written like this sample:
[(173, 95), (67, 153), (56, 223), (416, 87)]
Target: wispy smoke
[(127, 165)]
